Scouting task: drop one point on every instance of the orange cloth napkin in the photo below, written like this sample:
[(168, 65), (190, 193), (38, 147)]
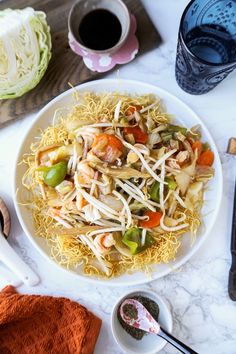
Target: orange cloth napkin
[(34, 324)]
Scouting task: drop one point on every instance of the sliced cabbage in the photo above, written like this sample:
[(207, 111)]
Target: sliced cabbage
[(183, 180), (194, 196), (122, 172), (112, 202), (120, 246), (25, 50), (204, 173), (64, 152), (65, 187)]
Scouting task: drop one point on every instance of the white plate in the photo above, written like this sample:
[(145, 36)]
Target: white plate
[(184, 115)]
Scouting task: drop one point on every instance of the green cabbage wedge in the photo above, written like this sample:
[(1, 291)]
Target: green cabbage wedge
[(25, 50)]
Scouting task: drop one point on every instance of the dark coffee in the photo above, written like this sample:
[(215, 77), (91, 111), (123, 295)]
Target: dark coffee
[(100, 30)]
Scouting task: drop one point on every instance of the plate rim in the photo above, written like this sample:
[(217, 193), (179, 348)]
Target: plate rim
[(145, 279)]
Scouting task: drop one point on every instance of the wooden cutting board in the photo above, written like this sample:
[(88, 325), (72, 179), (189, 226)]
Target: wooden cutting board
[(65, 66)]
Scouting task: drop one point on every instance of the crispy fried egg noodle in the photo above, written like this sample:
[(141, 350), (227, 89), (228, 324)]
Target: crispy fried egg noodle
[(131, 184)]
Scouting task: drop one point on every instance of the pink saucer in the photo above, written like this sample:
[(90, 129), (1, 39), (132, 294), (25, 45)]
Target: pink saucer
[(105, 62)]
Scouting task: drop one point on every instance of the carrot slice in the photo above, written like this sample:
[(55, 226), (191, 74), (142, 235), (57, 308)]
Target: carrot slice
[(197, 145), (153, 221), (139, 136), (206, 158), (132, 109), (83, 202)]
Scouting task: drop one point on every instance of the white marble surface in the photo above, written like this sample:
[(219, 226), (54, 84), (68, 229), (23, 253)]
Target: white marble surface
[(204, 317)]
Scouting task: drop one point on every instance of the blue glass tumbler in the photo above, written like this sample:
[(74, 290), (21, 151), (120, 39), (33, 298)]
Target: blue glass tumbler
[(206, 50)]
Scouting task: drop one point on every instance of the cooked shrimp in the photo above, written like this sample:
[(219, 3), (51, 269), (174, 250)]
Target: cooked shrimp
[(89, 133), (107, 147), (104, 242), (173, 164)]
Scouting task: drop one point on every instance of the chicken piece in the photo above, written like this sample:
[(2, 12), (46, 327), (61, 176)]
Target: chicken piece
[(91, 157), (85, 172), (107, 147), (65, 187), (108, 186), (132, 157), (173, 164), (182, 157)]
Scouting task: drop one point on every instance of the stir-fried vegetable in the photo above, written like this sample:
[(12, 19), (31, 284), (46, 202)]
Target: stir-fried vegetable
[(133, 239), (177, 128), (154, 218), (120, 246), (155, 192), (55, 174), (205, 146), (183, 179), (155, 188), (197, 145), (206, 158), (171, 183), (139, 135), (65, 187), (107, 147), (125, 172)]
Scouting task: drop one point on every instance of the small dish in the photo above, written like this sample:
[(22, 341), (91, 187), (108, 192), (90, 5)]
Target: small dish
[(150, 344)]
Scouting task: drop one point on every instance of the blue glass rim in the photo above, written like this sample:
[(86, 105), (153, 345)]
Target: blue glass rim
[(194, 56)]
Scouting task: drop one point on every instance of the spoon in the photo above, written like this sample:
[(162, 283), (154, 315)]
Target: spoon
[(142, 319), (8, 256)]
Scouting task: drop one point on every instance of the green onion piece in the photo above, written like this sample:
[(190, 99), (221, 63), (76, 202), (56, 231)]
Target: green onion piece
[(171, 183), (206, 146), (155, 192), (166, 136), (176, 128), (124, 121), (155, 188), (149, 241)]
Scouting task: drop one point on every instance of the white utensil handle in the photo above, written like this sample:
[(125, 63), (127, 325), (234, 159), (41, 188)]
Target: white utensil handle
[(8, 277), (11, 259)]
